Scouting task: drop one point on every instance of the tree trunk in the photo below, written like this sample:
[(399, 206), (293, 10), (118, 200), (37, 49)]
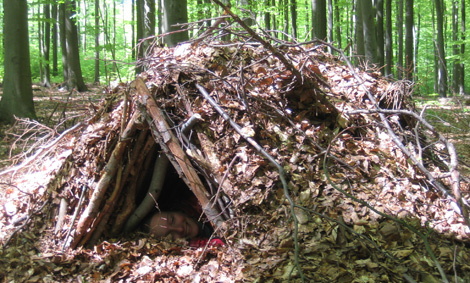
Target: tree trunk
[(380, 34), (293, 17), (455, 47), (46, 45), (388, 39), (285, 5), (409, 24), (338, 24), (97, 42), (360, 48), (400, 40), (70, 51), (319, 19), (462, 49), (442, 72), (370, 36), (55, 69), (17, 97), (174, 12), (273, 20), (330, 22)]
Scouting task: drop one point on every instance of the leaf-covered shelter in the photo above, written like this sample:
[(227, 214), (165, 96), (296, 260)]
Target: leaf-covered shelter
[(307, 167)]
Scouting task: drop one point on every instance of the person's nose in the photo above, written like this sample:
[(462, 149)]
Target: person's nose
[(178, 228)]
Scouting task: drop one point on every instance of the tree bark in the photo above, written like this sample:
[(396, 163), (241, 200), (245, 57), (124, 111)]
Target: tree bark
[(380, 34), (409, 24), (319, 19), (442, 72), (70, 51), (338, 24), (97, 42), (174, 12), (17, 97), (330, 22), (370, 36), (388, 39), (462, 49), (360, 48), (46, 45), (400, 40), (55, 69), (293, 17)]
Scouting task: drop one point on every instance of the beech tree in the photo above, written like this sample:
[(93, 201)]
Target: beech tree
[(72, 71), (17, 99), (174, 12), (441, 56), (388, 39), (409, 50), (319, 21), (368, 28)]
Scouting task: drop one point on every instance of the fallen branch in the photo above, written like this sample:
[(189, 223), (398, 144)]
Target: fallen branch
[(172, 148), (110, 171), (42, 150)]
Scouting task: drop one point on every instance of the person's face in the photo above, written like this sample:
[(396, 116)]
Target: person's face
[(175, 224)]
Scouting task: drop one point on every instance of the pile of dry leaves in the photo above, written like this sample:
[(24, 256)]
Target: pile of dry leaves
[(322, 172)]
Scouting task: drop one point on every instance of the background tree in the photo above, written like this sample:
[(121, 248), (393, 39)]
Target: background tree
[(45, 45), (360, 48), (409, 50), (370, 36), (174, 12), (97, 41), (441, 56), (319, 19), (17, 99), (69, 44), (380, 34), (388, 39), (400, 40), (462, 49)]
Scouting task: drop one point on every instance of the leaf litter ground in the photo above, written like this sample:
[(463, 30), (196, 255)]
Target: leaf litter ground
[(340, 239)]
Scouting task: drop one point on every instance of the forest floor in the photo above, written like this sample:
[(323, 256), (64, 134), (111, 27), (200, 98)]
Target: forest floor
[(59, 110)]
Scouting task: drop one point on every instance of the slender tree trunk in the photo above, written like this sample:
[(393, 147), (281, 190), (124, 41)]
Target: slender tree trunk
[(330, 22), (409, 23), (286, 19), (293, 17), (455, 47), (400, 40), (46, 46), (370, 36), (462, 49), (55, 69), (17, 97), (267, 19), (338, 24), (388, 39), (97, 42), (442, 72), (416, 37), (174, 12), (434, 40), (133, 41), (40, 41), (273, 19), (70, 51), (360, 48), (380, 35), (319, 19)]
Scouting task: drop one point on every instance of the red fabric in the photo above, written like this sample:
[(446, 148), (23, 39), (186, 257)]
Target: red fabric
[(201, 242)]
